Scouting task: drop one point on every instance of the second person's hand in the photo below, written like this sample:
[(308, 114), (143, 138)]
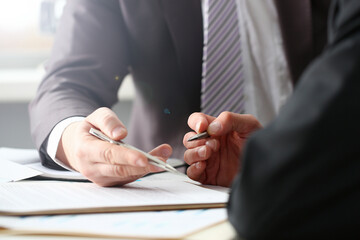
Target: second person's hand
[(216, 160)]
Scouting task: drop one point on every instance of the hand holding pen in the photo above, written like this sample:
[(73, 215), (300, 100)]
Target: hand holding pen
[(214, 153), (103, 162), (152, 159)]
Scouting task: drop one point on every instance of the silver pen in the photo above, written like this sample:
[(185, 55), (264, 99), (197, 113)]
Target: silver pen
[(152, 159), (199, 136)]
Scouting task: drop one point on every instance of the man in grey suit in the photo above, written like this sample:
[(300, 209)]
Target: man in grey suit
[(160, 43)]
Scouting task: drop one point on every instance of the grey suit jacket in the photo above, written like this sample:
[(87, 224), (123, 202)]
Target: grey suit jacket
[(160, 43)]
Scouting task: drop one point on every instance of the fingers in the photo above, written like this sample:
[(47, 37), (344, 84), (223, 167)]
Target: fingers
[(112, 154), (111, 175), (104, 163), (192, 144), (116, 166), (104, 152), (199, 122), (163, 152), (223, 124), (107, 121), (197, 154), (197, 171), (227, 122), (213, 143)]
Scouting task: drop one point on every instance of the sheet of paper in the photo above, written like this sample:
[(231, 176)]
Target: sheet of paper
[(165, 176), (31, 159), (155, 225), (19, 155), (53, 197), (56, 174), (11, 172)]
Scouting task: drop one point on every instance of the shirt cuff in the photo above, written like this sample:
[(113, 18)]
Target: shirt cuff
[(54, 139)]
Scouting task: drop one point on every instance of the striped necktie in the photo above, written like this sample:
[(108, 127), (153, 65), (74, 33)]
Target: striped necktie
[(222, 77)]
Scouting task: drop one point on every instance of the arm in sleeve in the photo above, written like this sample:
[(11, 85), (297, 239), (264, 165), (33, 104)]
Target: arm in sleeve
[(89, 59), (300, 176)]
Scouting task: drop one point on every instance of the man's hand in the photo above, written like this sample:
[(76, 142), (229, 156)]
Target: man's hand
[(104, 163), (216, 160)]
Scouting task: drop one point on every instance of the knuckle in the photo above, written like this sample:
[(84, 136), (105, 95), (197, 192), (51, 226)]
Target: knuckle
[(98, 112), (107, 118), (102, 110), (107, 155), (252, 119), (226, 115), (119, 171), (194, 116)]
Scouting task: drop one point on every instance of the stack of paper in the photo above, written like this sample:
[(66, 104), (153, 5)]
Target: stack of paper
[(152, 225), (159, 206), (55, 197)]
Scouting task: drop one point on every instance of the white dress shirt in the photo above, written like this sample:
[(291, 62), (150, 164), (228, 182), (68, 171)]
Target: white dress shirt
[(267, 78)]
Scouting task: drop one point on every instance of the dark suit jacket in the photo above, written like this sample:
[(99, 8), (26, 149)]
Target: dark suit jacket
[(301, 174), (160, 43)]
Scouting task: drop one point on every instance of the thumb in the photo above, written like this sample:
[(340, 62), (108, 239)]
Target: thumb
[(106, 121), (228, 121)]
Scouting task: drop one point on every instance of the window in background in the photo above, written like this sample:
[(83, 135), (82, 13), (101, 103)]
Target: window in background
[(27, 30), (26, 36)]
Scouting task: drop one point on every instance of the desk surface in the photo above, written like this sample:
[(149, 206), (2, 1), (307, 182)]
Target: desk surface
[(222, 231)]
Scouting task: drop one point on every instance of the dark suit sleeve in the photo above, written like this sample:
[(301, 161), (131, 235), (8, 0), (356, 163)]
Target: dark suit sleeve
[(301, 174), (84, 72)]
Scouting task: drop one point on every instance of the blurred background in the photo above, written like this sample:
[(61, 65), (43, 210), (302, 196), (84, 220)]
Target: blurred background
[(27, 31)]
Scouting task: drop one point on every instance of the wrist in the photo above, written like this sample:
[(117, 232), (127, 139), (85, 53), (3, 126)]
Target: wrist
[(66, 144)]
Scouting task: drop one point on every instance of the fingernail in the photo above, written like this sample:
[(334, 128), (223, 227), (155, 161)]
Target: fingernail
[(202, 151), (198, 165), (140, 163), (197, 127), (214, 127), (118, 131)]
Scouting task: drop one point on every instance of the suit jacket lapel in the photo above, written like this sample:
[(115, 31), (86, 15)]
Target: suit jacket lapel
[(186, 33)]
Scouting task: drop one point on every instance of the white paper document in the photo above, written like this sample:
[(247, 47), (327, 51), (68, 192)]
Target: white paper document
[(12, 172), (154, 225), (29, 160), (54, 197)]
